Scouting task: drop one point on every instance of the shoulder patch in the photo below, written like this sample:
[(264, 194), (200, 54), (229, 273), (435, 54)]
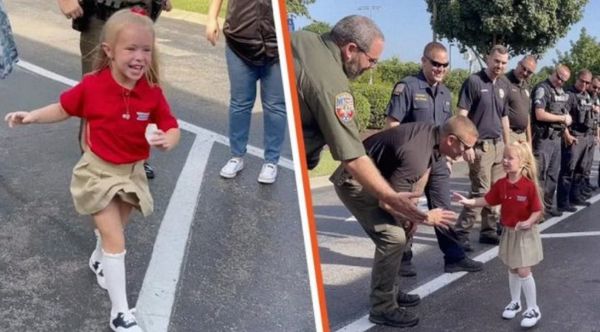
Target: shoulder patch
[(501, 93), (344, 107), (398, 89), (539, 93), (527, 92)]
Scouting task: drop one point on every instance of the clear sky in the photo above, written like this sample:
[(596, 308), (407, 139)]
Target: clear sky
[(405, 24)]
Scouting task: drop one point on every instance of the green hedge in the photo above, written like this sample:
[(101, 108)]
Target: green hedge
[(378, 96), (363, 110)]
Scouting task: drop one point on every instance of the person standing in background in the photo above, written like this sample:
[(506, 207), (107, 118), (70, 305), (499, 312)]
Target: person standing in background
[(252, 57)]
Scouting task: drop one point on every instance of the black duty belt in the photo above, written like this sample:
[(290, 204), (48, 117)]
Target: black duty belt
[(518, 130), (490, 140)]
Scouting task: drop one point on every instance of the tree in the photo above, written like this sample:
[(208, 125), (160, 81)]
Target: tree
[(584, 53), (524, 26), (298, 7), (318, 27)]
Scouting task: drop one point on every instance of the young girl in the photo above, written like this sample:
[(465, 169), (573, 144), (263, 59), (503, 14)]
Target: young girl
[(520, 244), (118, 100)]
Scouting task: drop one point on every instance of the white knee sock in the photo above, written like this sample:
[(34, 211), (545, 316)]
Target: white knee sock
[(97, 254), (514, 284), (114, 273), (529, 291)]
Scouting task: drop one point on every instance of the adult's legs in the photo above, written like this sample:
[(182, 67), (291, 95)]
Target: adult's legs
[(242, 82), (274, 115)]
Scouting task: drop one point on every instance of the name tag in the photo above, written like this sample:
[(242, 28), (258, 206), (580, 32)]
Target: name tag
[(521, 199)]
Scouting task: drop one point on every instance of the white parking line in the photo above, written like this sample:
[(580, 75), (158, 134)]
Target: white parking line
[(363, 323), (565, 235), (157, 295)]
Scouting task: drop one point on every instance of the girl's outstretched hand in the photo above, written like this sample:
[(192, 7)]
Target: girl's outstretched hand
[(18, 118), (456, 197)]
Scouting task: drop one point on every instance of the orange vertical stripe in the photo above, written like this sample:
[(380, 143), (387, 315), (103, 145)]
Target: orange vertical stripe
[(302, 153)]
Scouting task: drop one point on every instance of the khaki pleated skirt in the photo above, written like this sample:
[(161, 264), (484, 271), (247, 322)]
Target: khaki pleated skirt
[(96, 182), (520, 248)]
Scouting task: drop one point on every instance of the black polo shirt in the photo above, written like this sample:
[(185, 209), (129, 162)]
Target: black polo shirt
[(519, 102), (404, 153), (486, 103), (414, 100)]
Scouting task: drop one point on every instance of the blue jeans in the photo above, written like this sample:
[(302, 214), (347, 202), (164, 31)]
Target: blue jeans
[(243, 78)]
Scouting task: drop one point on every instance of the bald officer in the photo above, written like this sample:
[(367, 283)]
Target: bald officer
[(323, 65), (425, 98)]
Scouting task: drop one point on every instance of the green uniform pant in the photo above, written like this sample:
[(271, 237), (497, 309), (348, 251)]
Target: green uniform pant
[(483, 172), (389, 239), (89, 42)]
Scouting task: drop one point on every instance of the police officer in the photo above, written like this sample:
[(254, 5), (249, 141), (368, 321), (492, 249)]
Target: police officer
[(550, 117), (483, 99), (323, 65), (89, 17), (576, 144), (588, 188), (424, 98), (404, 155), (519, 99)]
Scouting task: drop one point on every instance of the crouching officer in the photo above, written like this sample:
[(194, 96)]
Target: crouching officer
[(575, 145), (404, 155), (550, 117)]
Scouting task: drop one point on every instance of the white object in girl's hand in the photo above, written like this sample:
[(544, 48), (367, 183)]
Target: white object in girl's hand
[(150, 130)]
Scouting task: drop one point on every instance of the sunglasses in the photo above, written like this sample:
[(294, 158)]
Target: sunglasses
[(465, 145), (436, 64), (584, 81), (526, 71), (560, 79), (373, 61)]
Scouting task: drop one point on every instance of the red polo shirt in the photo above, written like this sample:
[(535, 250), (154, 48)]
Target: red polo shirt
[(117, 117), (518, 200)]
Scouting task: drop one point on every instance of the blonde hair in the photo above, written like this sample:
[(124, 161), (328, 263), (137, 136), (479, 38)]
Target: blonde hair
[(110, 32), (528, 163)]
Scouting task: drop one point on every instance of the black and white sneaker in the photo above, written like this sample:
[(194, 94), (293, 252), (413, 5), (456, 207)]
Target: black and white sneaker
[(511, 310), (531, 317), (96, 267), (125, 322)]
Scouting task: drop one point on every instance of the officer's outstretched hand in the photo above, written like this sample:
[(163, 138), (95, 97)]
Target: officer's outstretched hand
[(400, 205), (440, 217), (18, 118), (469, 155)]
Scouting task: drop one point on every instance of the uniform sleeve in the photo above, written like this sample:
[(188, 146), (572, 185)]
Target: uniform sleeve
[(494, 196), (335, 113), (466, 95), (540, 97), (162, 115), (505, 108), (399, 102), (72, 100)]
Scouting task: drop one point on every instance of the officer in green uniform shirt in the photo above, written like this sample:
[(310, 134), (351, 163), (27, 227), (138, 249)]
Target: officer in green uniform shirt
[(323, 65)]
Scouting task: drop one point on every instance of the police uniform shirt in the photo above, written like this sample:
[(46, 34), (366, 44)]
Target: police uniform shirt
[(414, 100), (326, 105), (519, 102), (485, 102), (404, 153), (581, 101)]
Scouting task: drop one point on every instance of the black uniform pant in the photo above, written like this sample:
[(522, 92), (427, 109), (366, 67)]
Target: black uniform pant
[(437, 192), (570, 177), (547, 154), (588, 158)]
